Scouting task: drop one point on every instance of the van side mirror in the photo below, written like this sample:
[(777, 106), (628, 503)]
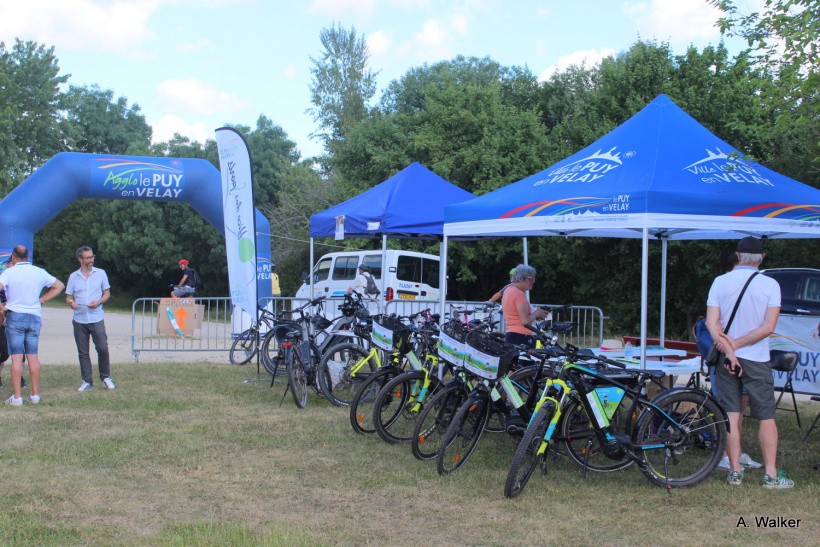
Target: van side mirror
[(305, 278)]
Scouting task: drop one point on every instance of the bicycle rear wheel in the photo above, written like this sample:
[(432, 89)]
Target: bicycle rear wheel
[(361, 408), (297, 378), (688, 453), (463, 434), (342, 371), (399, 404), (582, 442), (434, 420), (269, 350), (244, 347), (530, 452)]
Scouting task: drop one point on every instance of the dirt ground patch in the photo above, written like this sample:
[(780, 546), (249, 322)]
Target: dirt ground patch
[(57, 345)]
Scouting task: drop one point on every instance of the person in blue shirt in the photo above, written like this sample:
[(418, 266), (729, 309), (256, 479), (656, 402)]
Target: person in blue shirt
[(87, 290)]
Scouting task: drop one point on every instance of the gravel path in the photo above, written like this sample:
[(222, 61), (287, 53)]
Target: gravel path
[(57, 346)]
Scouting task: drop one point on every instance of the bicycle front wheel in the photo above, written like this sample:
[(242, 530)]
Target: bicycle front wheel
[(399, 404), (463, 434), (342, 371), (531, 451), (297, 378), (583, 445), (434, 420), (244, 347), (361, 408), (685, 454)]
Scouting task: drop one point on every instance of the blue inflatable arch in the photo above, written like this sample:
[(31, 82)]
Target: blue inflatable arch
[(70, 176)]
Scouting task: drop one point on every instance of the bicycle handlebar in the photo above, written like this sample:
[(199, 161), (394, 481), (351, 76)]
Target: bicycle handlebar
[(573, 352)]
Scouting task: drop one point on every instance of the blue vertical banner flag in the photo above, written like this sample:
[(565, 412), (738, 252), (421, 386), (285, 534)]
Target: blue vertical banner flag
[(240, 218)]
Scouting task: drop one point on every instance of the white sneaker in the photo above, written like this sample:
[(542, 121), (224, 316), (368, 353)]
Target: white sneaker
[(724, 463), (85, 387), (746, 461), (108, 383), (34, 399), (16, 401)]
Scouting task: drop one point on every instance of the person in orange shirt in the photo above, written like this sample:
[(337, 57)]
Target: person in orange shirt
[(517, 309)]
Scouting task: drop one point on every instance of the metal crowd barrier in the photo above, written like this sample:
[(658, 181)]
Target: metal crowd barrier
[(219, 323), (589, 333), (218, 328)]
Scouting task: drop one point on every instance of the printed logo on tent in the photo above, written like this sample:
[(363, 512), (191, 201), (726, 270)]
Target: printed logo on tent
[(121, 178), (718, 167), (582, 206), (586, 169)]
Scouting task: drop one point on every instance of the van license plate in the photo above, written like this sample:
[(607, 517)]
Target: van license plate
[(407, 297)]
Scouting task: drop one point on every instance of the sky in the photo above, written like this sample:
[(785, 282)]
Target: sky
[(195, 65)]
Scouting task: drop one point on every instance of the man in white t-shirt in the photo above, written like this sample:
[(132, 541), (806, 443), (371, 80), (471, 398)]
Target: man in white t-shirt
[(746, 346), (23, 284)]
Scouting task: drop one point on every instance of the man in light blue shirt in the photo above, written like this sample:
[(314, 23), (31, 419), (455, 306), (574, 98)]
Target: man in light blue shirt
[(87, 290)]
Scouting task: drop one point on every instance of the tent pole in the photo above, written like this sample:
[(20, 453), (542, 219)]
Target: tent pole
[(384, 274), (310, 271), (644, 291), (526, 259), (664, 243), (442, 284)]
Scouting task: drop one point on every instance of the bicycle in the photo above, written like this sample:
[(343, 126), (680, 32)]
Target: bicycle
[(246, 345), (361, 407), (343, 330), (677, 441), (400, 401), (301, 356), (490, 359), (345, 367)]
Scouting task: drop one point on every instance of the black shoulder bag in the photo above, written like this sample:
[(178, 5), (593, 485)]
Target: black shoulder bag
[(715, 357)]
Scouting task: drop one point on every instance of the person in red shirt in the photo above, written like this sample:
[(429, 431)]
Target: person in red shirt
[(517, 309)]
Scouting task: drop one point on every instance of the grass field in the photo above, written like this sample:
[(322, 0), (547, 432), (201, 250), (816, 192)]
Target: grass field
[(188, 454)]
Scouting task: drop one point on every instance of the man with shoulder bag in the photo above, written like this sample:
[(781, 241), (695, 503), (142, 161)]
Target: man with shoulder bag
[(742, 311)]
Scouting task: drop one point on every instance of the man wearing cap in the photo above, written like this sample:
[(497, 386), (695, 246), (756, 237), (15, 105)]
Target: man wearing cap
[(360, 283), (186, 284), (746, 346), (86, 292)]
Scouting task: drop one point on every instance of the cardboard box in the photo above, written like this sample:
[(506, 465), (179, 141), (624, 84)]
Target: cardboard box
[(188, 316)]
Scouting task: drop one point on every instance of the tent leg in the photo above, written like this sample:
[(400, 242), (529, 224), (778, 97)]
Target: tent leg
[(442, 292), (644, 292), (664, 244)]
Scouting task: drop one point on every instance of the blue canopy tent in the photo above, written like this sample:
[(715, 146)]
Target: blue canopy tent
[(660, 173), (408, 205)]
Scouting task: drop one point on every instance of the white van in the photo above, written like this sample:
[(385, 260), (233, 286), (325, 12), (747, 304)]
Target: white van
[(410, 275)]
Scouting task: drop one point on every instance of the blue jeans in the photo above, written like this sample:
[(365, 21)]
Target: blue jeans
[(23, 333), (182, 292)]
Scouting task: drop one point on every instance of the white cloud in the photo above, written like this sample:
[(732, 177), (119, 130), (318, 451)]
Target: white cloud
[(116, 26), (588, 58), (379, 42), (196, 97), (290, 71), (433, 42), (168, 125), (343, 9), (685, 20), (193, 47), (460, 22)]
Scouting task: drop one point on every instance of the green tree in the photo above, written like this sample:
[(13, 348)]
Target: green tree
[(341, 84), (30, 122), (102, 125)]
